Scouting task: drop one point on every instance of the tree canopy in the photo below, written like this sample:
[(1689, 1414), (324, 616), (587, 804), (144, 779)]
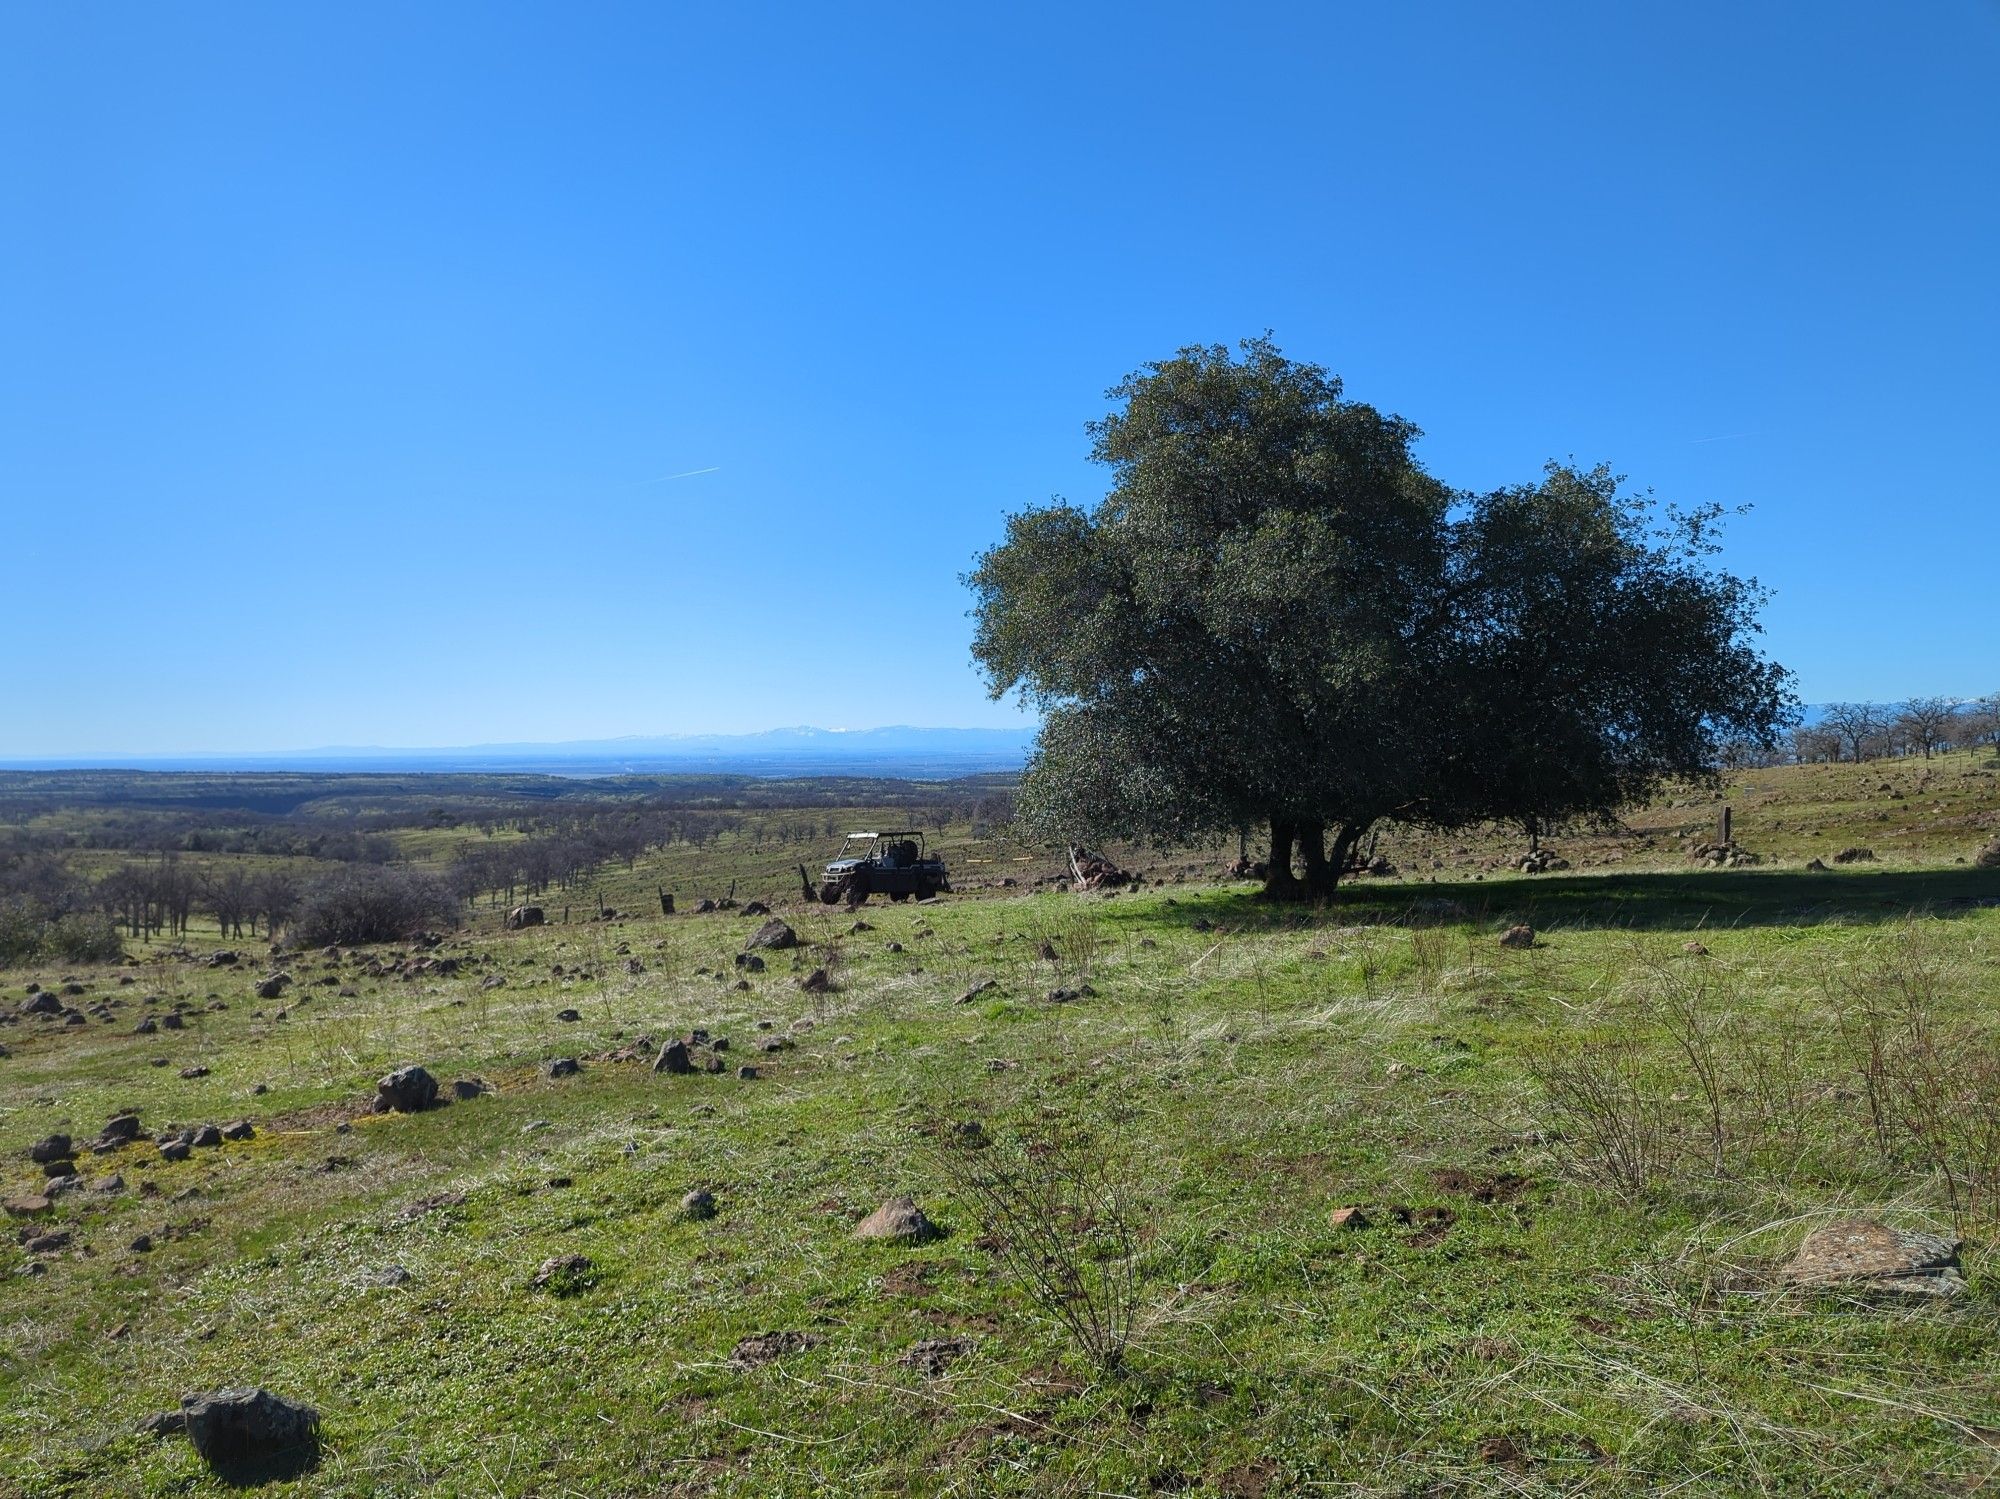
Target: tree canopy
[(1276, 616)]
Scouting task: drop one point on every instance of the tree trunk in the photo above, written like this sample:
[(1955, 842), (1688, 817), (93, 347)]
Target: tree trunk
[(1320, 880), (1279, 881)]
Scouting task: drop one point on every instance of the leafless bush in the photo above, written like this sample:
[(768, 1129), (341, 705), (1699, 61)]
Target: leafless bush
[(1613, 1126), (1430, 953), (1932, 1083), (1071, 932), (1056, 1212)]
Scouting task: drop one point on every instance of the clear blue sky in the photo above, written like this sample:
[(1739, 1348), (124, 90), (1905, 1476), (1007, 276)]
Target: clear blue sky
[(349, 346)]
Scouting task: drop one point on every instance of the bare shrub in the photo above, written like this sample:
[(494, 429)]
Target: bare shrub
[(1932, 1083), (1614, 1128), (1056, 1213), (1430, 953)]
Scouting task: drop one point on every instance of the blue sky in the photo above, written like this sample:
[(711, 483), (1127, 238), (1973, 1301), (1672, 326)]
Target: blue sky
[(350, 347)]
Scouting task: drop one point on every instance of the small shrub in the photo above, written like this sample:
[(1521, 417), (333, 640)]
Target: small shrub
[(1058, 1218), (1614, 1127)]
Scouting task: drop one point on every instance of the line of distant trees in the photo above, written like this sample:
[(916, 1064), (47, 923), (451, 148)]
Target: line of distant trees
[(1878, 731)]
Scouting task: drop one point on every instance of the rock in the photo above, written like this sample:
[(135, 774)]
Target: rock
[(1694, 949), (674, 1058), (205, 1136), (1348, 1217), (146, 1027), (162, 1424), (189, 1074), (1866, 1254), (563, 1274), (982, 987), (816, 982), (172, 1021), (746, 1073), (119, 1129), (407, 1090), (44, 1002), (48, 1243), (568, 1016), (749, 962), (899, 1219), (932, 1356), (239, 1431), (62, 1168), (564, 1067), (241, 1129), (773, 935), (28, 1205), (469, 1087), (1989, 856), (141, 1244), (756, 908), (522, 916), (1518, 936), (698, 1204), (273, 985), (51, 1148), (1855, 856), (391, 1275)]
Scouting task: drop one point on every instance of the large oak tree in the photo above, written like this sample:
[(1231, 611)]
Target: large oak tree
[(1277, 617)]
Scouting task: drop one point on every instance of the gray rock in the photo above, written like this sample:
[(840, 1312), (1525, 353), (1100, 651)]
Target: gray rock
[(773, 934), (1866, 1254), (407, 1090), (51, 1148), (564, 1067), (698, 1204), (899, 1220), (251, 1431), (674, 1058)]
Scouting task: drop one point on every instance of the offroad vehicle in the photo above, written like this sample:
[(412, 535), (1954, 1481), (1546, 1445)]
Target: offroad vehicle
[(892, 864)]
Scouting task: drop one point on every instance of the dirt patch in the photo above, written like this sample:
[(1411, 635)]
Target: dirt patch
[(1504, 1186)]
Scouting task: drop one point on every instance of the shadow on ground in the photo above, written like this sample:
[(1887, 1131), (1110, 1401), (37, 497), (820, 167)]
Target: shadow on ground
[(1710, 900)]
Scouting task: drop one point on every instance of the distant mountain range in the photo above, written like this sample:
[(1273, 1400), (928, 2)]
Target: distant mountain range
[(898, 750)]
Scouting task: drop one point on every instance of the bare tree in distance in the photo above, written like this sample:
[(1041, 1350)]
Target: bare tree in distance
[(1857, 725), (1928, 723)]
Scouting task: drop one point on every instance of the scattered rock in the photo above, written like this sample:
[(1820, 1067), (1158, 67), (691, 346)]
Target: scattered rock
[(469, 1087), (982, 987), (522, 916), (746, 1073), (1349, 1217), (205, 1137), (1855, 856), (900, 1220), (816, 982), (698, 1204), (51, 1148), (28, 1205), (749, 962), (1816, 866), (1518, 936), (674, 1058), (273, 985), (391, 1275), (568, 1016), (407, 1090), (1694, 949), (191, 1073), (47, 1243), (1866, 1254), (774, 935), (252, 1432), (564, 1067), (175, 1149)]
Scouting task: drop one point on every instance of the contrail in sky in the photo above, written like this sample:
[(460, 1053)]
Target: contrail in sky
[(664, 478), (1725, 437)]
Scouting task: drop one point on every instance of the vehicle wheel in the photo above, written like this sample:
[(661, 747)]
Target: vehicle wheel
[(899, 895), (829, 894), (924, 892)]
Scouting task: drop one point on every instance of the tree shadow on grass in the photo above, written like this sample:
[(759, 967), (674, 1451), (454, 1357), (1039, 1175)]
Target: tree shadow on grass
[(1707, 900)]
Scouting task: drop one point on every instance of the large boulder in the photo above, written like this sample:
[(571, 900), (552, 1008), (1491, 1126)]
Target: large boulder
[(251, 1432), (773, 934), (522, 916), (1866, 1254), (407, 1090)]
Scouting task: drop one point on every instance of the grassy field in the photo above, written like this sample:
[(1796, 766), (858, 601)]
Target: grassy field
[(1525, 1311)]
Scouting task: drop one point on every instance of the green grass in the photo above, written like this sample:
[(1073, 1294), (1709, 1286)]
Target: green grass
[(1245, 1069)]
